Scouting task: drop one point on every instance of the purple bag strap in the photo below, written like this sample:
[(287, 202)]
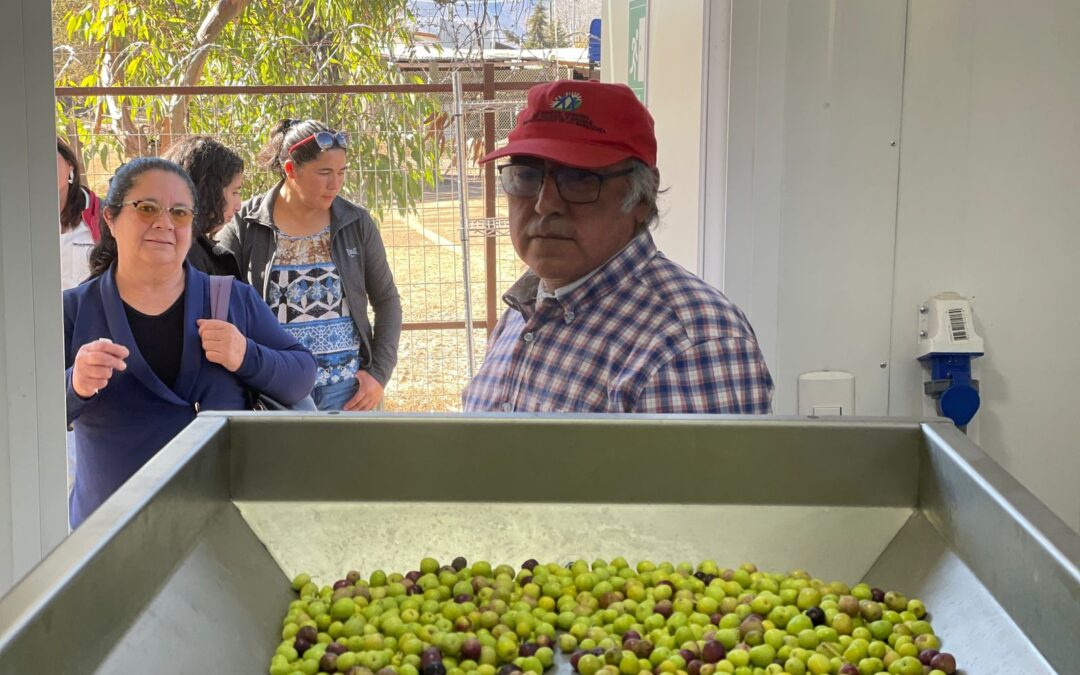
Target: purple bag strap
[(220, 290)]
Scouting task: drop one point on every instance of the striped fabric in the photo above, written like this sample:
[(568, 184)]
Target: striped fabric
[(643, 335)]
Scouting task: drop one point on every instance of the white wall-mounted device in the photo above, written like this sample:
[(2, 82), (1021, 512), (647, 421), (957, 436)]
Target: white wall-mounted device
[(827, 393), (947, 344)]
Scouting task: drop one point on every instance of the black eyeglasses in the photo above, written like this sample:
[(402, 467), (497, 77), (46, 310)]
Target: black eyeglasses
[(324, 139), (149, 211), (576, 186)]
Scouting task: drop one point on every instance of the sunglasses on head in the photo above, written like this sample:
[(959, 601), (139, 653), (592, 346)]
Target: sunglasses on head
[(324, 139), (149, 211)]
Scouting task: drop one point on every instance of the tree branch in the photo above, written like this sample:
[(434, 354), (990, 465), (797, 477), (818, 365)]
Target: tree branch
[(216, 19)]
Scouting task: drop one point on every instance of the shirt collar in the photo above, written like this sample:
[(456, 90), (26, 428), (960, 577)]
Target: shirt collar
[(526, 295), (563, 291)]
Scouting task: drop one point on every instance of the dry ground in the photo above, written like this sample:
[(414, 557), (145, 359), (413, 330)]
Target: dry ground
[(425, 255)]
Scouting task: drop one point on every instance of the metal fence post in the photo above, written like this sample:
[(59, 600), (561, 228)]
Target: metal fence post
[(463, 203), (491, 260)]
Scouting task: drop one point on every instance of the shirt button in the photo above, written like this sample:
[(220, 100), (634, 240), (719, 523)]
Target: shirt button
[(507, 407), (568, 317), (527, 337)]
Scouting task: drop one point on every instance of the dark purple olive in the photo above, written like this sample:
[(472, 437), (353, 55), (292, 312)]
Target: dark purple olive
[(575, 657), (848, 669), (336, 648), (528, 649), (508, 669), (529, 564), (597, 651), (470, 649), (877, 595), (630, 635), (694, 667), (430, 655), (709, 579), (687, 655), (664, 608), (415, 589), (459, 563), (328, 662), (308, 633), (714, 619), (816, 616), (525, 579), (545, 641), (435, 668), (301, 645), (341, 583), (927, 655), (945, 662), (414, 576), (643, 649), (700, 575), (713, 652), (463, 598)]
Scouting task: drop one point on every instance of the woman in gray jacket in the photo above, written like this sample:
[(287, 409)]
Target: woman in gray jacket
[(318, 260)]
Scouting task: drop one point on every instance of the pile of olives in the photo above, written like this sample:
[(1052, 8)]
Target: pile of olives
[(608, 618)]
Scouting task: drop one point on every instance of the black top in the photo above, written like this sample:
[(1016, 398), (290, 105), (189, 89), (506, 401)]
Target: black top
[(210, 257), (160, 339)]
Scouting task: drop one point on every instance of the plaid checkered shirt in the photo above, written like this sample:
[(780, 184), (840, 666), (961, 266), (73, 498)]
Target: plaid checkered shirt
[(642, 335)]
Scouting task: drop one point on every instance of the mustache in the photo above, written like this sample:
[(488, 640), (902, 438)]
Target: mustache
[(548, 226)]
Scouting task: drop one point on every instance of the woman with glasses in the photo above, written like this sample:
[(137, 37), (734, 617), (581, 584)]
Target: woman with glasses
[(142, 358), (318, 261), (218, 174)]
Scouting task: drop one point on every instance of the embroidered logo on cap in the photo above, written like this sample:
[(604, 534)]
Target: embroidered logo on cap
[(568, 101)]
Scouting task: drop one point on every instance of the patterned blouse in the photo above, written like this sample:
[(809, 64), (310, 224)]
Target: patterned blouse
[(305, 292)]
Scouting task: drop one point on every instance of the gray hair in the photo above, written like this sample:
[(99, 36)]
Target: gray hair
[(643, 186)]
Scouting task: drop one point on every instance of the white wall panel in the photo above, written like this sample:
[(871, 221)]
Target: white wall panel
[(815, 109), (33, 504), (989, 205)]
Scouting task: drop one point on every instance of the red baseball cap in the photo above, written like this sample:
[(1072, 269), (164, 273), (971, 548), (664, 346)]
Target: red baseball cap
[(583, 124)]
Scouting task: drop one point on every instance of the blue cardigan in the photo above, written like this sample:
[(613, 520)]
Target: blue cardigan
[(127, 422)]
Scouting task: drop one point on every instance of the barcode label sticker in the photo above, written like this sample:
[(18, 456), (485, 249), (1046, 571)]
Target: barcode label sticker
[(958, 325)]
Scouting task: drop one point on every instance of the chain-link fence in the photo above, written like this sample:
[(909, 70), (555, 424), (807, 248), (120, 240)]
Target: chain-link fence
[(402, 166)]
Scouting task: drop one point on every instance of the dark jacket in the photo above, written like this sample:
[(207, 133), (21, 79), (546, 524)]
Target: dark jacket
[(126, 423), (358, 253), (210, 257)]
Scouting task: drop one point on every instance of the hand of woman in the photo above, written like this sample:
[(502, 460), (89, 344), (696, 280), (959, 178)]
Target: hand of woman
[(95, 363), (368, 395), (223, 343)]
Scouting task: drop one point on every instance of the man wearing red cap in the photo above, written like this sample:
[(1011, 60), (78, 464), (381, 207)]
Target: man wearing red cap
[(603, 321)]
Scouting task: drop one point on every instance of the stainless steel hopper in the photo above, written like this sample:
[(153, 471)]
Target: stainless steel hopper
[(186, 568)]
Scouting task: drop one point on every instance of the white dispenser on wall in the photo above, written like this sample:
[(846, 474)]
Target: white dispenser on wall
[(827, 393)]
